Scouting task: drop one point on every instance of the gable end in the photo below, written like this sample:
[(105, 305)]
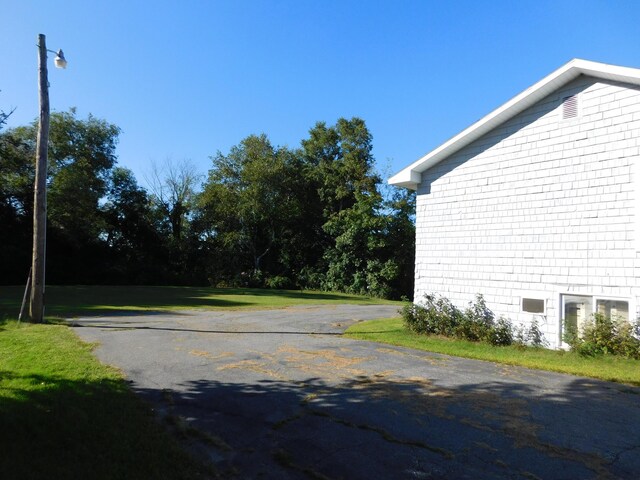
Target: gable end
[(411, 176)]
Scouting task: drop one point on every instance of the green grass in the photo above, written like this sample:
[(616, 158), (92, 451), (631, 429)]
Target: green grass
[(65, 301), (606, 367), (64, 415)]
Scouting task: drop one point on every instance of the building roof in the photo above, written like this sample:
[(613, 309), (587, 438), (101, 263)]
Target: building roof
[(411, 176)]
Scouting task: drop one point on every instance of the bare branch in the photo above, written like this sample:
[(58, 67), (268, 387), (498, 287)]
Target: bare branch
[(173, 187)]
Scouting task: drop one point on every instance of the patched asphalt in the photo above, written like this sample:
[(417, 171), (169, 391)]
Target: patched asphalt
[(280, 394)]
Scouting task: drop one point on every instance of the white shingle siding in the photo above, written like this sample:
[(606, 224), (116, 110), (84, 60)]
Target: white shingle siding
[(540, 204)]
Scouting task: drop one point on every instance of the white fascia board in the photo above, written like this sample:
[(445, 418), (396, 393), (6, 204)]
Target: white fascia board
[(609, 72), (406, 178), (411, 175)]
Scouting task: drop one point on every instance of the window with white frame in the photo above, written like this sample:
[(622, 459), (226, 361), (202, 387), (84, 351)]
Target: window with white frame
[(578, 309), (618, 309), (533, 305)]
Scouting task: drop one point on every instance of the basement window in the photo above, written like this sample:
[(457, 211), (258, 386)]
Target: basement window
[(579, 309), (570, 107), (533, 305), (616, 309)]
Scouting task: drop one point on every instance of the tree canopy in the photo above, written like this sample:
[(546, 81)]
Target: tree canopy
[(270, 216)]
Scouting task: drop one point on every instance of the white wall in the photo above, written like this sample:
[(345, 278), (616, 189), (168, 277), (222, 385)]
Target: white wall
[(540, 206)]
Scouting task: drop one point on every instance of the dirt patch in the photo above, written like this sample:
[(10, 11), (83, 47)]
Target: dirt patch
[(210, 356), (323, 362), (254, 366), (431, 360)]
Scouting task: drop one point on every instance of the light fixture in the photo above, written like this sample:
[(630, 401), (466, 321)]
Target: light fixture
[(60, 61)]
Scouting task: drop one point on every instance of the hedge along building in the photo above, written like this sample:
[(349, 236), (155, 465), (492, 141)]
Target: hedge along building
[(537, 205)]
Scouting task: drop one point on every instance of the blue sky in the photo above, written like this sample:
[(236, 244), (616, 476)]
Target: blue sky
[(186, 79)]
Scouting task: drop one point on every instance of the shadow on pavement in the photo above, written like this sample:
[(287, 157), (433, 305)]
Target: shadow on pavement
[(126, 326), (380, 427)]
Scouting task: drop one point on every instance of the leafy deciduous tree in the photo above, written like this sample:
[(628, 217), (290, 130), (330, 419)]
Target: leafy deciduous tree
[(250, 203)]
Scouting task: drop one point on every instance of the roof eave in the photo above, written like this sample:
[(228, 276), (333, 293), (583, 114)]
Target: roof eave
[(407, 178), (517, 104)]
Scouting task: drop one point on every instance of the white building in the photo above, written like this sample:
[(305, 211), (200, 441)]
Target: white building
[(537, 205)]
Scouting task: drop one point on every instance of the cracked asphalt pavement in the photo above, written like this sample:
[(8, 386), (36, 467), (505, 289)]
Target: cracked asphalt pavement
[(280, 394)]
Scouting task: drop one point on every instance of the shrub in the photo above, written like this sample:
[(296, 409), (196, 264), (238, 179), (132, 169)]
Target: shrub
[(531, 336), (278, 282), (534, 336), (309, 279), (600, 334), (571, 337), (413, 316), (502, 332), (436, 316), (628, 335), (604, 335), (477, 323)]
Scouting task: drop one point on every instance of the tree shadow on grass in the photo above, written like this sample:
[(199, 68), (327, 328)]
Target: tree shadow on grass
[(60, 429), (74, 301), (378, 427)]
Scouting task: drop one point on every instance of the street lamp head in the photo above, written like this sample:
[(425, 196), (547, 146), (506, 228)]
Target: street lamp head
[(60, 61)]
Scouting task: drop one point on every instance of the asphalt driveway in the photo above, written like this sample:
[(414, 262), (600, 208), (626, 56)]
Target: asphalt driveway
[(279, 394)]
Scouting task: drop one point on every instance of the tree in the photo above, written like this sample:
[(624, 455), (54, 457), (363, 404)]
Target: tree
[(135, 246), (17, 151), (81, 156), (16, 205), (312, 217), (341, 168), (341, 163), (173, 198), (4, 116), (252, 208), (400, 239), (173, 192)]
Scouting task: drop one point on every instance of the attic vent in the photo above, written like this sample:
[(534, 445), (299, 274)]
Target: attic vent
[(570, 107)]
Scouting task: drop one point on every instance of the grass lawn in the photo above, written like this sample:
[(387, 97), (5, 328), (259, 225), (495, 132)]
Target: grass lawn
[(65, 301), (64, 415), (606, 367)]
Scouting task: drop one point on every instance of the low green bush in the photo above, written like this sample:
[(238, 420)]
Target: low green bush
[(502, 332), (278, 282), (530, 336), (438, 316), (604, 335), (477, 323)]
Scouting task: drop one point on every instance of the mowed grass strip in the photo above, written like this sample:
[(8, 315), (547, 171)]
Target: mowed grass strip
[(64, 415), (606, 367), (66, 301)]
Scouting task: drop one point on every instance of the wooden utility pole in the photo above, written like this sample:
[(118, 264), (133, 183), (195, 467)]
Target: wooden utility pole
[(36, 303)]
